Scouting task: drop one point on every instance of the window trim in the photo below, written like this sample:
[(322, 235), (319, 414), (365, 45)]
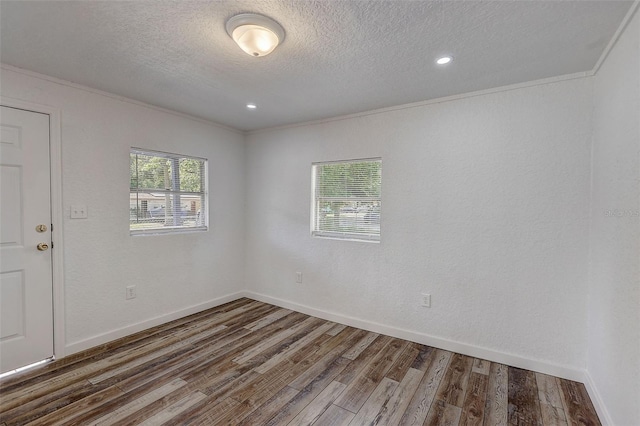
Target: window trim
[(204, 194), (336, 235)]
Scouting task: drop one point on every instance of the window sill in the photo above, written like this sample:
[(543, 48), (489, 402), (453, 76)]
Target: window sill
[(170, 231), (347, 237)]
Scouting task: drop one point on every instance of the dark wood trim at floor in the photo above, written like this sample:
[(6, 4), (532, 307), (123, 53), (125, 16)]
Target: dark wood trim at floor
[(250, 363)]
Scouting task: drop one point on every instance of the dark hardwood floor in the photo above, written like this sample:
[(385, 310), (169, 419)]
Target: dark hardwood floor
[(250, 363)]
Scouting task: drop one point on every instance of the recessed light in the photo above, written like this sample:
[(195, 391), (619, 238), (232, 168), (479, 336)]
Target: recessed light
[(444, 60), (252, 106)]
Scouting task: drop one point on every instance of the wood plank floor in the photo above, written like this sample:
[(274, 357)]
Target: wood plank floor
[(250, 363)]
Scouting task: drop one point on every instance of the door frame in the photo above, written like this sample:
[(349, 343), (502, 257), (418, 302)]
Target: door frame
[(57, 216)]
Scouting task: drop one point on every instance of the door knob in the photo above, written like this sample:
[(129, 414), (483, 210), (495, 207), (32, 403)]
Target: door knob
[(43, 246)]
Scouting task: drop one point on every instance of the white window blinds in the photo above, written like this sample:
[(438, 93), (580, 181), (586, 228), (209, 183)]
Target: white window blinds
[(346, 199), (168, 192)]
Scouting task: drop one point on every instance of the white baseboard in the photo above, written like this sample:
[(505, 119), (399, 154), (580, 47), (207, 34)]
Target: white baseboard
[(422, 338), (82, 345), (562, 371), (596, 399)]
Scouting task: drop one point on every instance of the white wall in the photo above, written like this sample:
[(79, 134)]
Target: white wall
[(172, 272), (485, 206), (614, 274)]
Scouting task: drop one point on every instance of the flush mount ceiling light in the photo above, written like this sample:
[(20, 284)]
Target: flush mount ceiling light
[(252, 106), (256, 34), (443, 60)]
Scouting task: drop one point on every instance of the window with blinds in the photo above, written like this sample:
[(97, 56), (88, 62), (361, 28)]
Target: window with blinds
[(168, 193), (346, 199)]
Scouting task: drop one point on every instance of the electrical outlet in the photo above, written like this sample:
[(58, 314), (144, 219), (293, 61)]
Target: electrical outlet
[(131, 292), (298, 277), (425, 300)]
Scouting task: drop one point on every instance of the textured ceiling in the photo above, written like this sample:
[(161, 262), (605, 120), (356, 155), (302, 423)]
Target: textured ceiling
[(339, 57)]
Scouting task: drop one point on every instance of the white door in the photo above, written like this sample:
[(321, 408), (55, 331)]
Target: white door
[(26, 281)]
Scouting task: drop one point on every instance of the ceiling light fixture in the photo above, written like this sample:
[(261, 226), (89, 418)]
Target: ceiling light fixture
[(252, 106), (256, 34), (444, 60)]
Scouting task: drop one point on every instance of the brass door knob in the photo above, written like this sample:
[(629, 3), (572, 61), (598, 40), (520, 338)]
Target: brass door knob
[(43, 246)]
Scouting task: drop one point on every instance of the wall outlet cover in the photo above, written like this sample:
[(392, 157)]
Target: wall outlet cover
[(425, 300)]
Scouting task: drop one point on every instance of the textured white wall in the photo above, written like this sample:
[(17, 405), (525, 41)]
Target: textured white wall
[(614, 275), (172, 272), (485, 206)]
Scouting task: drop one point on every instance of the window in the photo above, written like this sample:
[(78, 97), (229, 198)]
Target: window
[(346, 199), (168, 193)]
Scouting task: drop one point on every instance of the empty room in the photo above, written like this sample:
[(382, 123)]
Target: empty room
[(381, 212)]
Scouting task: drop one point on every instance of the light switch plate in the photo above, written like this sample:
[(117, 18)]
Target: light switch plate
[(79, 211)]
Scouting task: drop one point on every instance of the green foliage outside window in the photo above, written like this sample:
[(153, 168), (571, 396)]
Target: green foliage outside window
[(167, 192), (148, 172), (349, 180)]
